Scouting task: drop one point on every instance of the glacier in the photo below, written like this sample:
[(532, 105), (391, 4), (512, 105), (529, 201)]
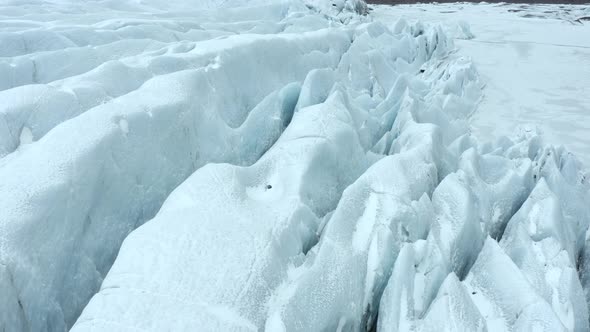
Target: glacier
[(288, 165)]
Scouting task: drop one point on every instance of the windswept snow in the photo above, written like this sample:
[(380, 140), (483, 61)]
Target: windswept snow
[(293, 165)]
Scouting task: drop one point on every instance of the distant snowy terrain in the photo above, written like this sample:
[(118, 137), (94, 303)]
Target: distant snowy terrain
[(287, 165), (534, 61)]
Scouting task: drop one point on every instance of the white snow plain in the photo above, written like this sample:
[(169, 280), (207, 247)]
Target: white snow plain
[(292, 165), (534, 61)]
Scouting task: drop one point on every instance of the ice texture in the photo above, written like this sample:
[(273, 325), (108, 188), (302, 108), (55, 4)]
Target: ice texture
[(292, 165)]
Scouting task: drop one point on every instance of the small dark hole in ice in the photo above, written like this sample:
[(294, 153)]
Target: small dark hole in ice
[(422, 70), (268, 186), (473, 293)]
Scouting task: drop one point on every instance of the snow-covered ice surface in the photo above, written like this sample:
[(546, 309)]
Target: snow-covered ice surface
[(533, 59), (290, 165)]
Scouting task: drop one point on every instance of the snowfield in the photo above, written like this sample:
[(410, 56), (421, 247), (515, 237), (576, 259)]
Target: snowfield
[(534, 61), (287, 165)]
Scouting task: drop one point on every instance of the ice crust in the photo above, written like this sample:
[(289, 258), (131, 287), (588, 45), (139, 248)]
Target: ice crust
[(286, 165)]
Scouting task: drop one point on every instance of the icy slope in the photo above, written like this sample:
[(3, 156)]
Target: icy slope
[(268, 165), (138, 127), (277, 204)]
